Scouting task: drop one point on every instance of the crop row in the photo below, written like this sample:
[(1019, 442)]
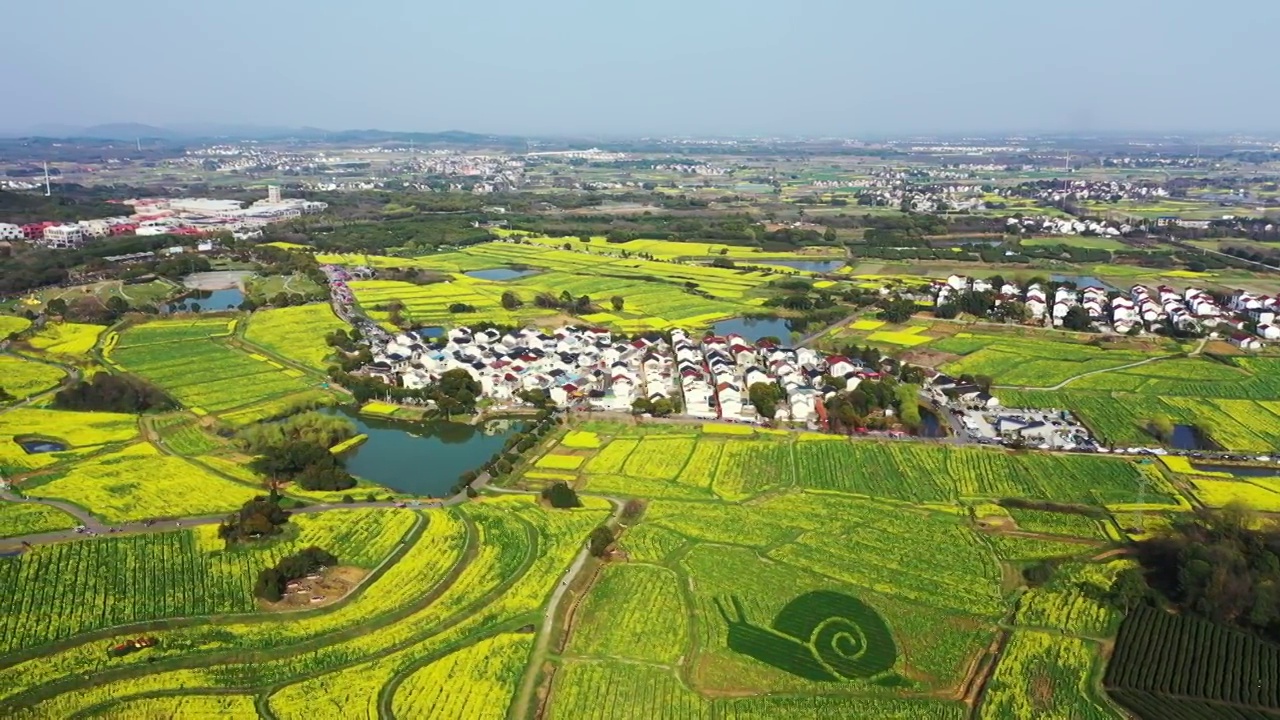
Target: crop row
[(605, 690), (633, 611), (1176, 655), (166, 331), (418, 571), (56, 591)]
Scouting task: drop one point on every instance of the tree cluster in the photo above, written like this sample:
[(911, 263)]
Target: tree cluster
[(560, 495), (309, 465), (313, 428), (272, 581), (258, 518), (1222, 565), (112, 393)]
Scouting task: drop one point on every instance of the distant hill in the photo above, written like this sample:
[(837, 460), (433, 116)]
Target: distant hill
[(127, 131)]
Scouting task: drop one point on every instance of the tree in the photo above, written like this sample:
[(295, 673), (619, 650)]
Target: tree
[(510, 301), (641, 406), (618, 302), (897, 310), (599, 541), (560, 495), (112, 393), (829, 235), (764, 397), (662, 407), (1127, 590), (117, 305), (56, 306), (1077, 318), (1161, 426)]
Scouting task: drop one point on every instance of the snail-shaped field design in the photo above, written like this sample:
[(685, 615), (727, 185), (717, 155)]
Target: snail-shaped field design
[(820, 635)]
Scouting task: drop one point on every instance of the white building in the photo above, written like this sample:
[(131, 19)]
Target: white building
[(63, 236), (9, 231)]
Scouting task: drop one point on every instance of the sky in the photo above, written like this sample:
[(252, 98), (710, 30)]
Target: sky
[(847, 68)]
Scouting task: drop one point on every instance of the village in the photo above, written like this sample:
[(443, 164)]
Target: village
[(1243, 319)]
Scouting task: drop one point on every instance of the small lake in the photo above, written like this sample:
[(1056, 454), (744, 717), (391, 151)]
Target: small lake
[(1189, 437), (817, 266), (33, 447), (499, 274), (755, 328), (423, 458), (430, 332), (1237, 470), (1082, 281), (215, 300)]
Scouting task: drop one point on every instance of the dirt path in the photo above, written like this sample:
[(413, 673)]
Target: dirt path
[(539, 656)]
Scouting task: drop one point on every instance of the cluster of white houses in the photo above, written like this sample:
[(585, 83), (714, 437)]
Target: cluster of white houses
[(571, 365), (588, 367), (1192, 309)]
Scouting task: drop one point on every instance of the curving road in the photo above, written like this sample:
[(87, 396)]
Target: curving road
[(93, 526)]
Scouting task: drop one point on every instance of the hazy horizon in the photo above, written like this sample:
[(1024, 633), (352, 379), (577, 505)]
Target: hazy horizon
[(715, 68)]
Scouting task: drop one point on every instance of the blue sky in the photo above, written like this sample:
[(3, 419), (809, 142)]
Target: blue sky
[(701, 67)]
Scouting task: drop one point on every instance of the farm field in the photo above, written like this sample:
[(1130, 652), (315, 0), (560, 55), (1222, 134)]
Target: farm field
[(105, 582), (18, 519), (66, 340), (755, 553), (1234, 403), (190, 360), (655, 292), (737, 467), (23, 378), (83, 433), (447, 605), (140, 483), (671, 250), (296, 333), (1175, 666)]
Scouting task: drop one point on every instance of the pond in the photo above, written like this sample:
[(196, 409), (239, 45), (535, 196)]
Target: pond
[(1237, 470), (422, 458), (35, 446), (215, 300), (1189, 437), (504, 273), (930, 426), (430, 332), (817, 266), (1082, 281), (755, 328)]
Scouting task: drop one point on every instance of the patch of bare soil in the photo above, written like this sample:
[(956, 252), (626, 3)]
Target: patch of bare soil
[(928, 358), (1042, 691), (318, 590)]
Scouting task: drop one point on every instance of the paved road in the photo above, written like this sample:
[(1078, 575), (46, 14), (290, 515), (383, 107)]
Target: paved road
[(94, 526), (804, 341)]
